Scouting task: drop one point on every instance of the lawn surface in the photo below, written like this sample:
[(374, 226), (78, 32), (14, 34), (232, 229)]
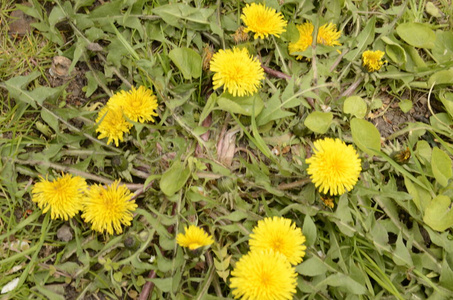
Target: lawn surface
[(208, 157)]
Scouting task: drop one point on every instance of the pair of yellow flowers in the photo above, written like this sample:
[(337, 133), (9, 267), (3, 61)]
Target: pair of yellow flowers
[(106, 208)]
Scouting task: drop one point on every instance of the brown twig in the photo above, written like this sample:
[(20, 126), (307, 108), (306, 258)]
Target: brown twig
[(275, 73), (148, 286)]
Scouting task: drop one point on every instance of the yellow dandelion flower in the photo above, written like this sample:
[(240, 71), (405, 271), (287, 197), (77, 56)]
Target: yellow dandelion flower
[(328, 201), (328, 35), (335, 166), (305, 39), (262, 20), (280, 235), (194, 238), (372, 60), (138, 105), (263, 275), (106, 208), (112, 125), (237, 71), (63, 196)]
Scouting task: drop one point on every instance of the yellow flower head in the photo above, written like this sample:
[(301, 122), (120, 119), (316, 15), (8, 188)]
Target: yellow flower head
[(372, 60), (305, 39), (328, 35), (112, 125), (194, 238), (63, 196), (237, 71), (334, 167), (263, 275), (262, 20), (138, 105), (106, 208), (280, 235)]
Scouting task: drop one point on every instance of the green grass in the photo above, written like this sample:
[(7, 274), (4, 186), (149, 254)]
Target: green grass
[(388, 238)]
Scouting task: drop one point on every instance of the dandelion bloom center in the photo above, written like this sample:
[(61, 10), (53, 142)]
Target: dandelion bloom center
[(263, 275), (237, 71), (112, 125), (107, 208), (194, 238), (372, 60), (63, 196), (328, 35), (262, 20), (335, 167), (280, 235), (138, 105)]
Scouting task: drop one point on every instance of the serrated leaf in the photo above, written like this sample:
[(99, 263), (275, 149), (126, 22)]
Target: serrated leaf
[(174, 178), (438, 214), (365, 135), (50, 119), (417, 34), (441, 166), (401, 255), (319, 122), (272, 111)]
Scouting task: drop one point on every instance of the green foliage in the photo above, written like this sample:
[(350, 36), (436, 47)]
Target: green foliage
[(224, 162)]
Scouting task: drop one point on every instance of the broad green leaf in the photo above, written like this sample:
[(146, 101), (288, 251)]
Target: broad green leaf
[(365, 37), (319, 122), (394, 50), (433, 10), (240, 105), (355, 106), (174, 13), (421, 196), (343, 214), (174, 178), (441, 77), (401, 255), (447, 101), (188, 62), (163, 284), (405, 105), (441, 166), (235, 216), (309, 230), (446, 275), (423, 152), (438, 214), (50, 119), (443, 47), (272, 110), (313, 266), (417, 34), (346, 283), (365, 135)]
